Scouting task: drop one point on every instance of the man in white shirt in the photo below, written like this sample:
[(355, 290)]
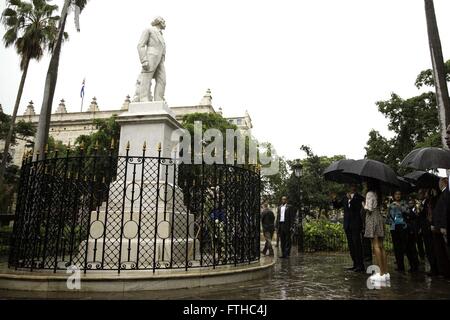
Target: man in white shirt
[(285, 223)]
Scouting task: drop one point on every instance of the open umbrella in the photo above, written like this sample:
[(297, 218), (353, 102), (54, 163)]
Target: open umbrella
[(427, 158), (372, 169), (334, 172), (406, 185), (423, 179)]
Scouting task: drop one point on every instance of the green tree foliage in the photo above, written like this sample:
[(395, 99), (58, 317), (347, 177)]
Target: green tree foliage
[(31, 29), (312, 191), (413, 121), (425, 78), (273, 187), (22, 131), (108, 130), (208, 121)]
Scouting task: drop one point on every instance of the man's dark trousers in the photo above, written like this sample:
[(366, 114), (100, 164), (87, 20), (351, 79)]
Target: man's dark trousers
[(285, 238), (355, 246)]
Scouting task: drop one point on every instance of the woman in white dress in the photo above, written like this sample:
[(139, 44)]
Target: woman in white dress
[(375, 228)]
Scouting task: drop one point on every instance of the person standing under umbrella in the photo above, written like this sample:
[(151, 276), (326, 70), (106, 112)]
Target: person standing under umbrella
[(352, 204), (397, 212), (411, 218), (427, 200), (375, 228), (439, 229)]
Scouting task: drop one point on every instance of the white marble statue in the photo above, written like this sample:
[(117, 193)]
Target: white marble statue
[(152, 52)]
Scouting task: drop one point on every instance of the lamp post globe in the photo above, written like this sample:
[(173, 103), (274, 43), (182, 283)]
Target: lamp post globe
[(298, 169)]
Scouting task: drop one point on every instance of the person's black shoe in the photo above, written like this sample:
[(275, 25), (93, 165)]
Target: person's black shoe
[(360, 269), (350, 269)]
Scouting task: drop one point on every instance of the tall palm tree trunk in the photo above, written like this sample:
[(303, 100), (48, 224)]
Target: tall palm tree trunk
[(437, 59), (13, 122), (50, 86)]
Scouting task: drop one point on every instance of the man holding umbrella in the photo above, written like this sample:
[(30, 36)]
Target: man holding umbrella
[(353, 224)]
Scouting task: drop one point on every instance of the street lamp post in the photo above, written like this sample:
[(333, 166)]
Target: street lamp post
[(298, 172)]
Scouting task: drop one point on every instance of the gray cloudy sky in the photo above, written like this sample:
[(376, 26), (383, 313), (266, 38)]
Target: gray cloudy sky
[(308, 72)]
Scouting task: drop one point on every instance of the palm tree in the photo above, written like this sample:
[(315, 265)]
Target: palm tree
[(52, 77), (31, 28), (437, 59)]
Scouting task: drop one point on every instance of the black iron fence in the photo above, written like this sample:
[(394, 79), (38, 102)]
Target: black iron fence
[(4, 243), (107, 212)]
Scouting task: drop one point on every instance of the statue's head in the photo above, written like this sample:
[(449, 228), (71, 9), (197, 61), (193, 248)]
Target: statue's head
[(159, 21)]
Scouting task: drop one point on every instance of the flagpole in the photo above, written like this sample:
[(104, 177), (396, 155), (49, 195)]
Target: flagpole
[(82, 101)]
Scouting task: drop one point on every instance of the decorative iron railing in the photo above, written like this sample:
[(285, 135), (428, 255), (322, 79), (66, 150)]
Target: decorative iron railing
[(107, 212)]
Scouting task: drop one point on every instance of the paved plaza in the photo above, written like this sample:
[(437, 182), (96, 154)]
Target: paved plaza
[(316, 276)]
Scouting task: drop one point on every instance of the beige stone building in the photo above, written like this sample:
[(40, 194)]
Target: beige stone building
[(68, 126)]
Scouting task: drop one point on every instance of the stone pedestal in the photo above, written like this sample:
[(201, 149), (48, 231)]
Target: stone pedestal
[(150, 122), (167, 229)]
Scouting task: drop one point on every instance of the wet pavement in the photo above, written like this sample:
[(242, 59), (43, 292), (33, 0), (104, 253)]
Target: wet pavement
[(310, 276)]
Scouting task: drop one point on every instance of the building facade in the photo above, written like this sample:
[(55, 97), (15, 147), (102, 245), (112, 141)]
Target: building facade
[(68, 126)]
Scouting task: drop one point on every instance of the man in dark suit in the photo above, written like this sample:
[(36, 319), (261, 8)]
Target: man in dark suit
[(439, 229), (352, 203), (285, 224)]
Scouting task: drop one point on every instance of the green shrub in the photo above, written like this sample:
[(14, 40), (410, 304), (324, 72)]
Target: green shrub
[(323, 235)]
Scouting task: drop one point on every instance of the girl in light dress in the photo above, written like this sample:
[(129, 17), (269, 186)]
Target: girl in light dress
[(375, 229)]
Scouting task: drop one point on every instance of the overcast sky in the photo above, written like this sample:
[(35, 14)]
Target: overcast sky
[(308, 72)]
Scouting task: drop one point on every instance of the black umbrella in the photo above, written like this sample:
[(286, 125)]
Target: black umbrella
[(406, 185), (334, 172), (427, 158), (423, 179), (372, 169)]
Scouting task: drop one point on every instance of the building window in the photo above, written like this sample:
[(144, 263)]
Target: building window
[(239, 122)]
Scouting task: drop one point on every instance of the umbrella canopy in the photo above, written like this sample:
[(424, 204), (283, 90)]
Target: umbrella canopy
[(406, 185), (372, 169), (427, 158), (423, 179), (334, 172)]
